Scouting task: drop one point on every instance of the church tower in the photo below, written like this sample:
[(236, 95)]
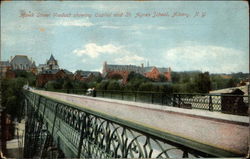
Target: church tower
[(52, 63)]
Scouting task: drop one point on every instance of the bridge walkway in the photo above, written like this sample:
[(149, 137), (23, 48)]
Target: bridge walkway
[(223, 131)]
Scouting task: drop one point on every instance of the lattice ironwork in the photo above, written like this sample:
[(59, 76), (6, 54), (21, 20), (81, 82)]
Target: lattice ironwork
[(71, 131)]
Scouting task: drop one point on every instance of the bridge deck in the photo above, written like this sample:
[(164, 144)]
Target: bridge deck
[(228, 132)]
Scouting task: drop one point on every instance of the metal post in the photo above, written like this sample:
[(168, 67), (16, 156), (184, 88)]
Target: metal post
[(179, 100), (210, 103), (81, 137), (174, 100), (161, 98), (135, 96), (152, 98), (122, 95), (54, 120)]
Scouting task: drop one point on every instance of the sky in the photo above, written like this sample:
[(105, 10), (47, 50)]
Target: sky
[(184, 35)]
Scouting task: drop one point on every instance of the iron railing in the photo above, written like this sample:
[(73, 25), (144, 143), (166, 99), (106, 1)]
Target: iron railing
[(225, 103), (74, 131)]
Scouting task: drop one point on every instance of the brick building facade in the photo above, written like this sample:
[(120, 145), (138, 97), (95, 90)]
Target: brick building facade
[(50, 75), (86, 76), (151, 72)]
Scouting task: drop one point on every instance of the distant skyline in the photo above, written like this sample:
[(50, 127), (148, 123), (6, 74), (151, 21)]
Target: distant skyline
[(184, 35)]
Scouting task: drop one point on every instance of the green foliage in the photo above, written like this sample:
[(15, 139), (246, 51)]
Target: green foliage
[(102, 86), (148, 86), (202, 83), (67, 84), (232, 82), (92, 84), (12, 95), (137, 77), (176, 77), (116, 77), (162, 78), (30, 77), (50, 85), (166, 88), (113, 85)]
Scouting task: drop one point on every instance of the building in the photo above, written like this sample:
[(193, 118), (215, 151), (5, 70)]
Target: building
[(50, 75), (151, 72), (22, 62), (50, 64), (86, 76), (4, 68), (19, 62)]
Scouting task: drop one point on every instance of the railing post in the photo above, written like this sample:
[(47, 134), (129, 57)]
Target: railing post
[(179, 100), (135, 96), (54, 120), (210, 103), (152, 98), (174, 100), (161, 98), (84, 122), (122, 95)]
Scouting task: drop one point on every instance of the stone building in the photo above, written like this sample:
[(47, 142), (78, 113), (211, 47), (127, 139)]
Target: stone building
[(151, 72), (22, 62), (19, 62), (51, 64)]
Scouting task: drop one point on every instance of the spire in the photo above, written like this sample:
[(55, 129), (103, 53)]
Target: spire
[(51, 58)]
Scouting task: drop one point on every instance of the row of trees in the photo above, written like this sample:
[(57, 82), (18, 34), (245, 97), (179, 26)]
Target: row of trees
[(182, 82)]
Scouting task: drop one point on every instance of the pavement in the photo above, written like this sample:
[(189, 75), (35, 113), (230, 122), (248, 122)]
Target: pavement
[(228, 132)]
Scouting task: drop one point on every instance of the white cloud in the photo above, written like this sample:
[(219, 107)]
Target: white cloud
[(113, 53), (93, 50), (129, 59), (207, 58)]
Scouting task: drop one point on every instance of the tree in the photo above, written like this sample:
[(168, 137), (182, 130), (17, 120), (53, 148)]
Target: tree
[(202, 83), (175, 77), (232, 82), (113, 85), (67, 85), (12, 96), (162, 78), (102, 86), (166, 88), (116, 77)]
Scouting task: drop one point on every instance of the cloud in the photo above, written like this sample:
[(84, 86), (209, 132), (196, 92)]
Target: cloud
[(129, 59), (210, 58), (93, 50), (116, 54)]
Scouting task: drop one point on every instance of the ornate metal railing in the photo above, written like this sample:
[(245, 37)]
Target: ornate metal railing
[(54, 127), (225, 103)]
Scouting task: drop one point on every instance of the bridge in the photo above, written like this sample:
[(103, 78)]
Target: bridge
[(68, 125)]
